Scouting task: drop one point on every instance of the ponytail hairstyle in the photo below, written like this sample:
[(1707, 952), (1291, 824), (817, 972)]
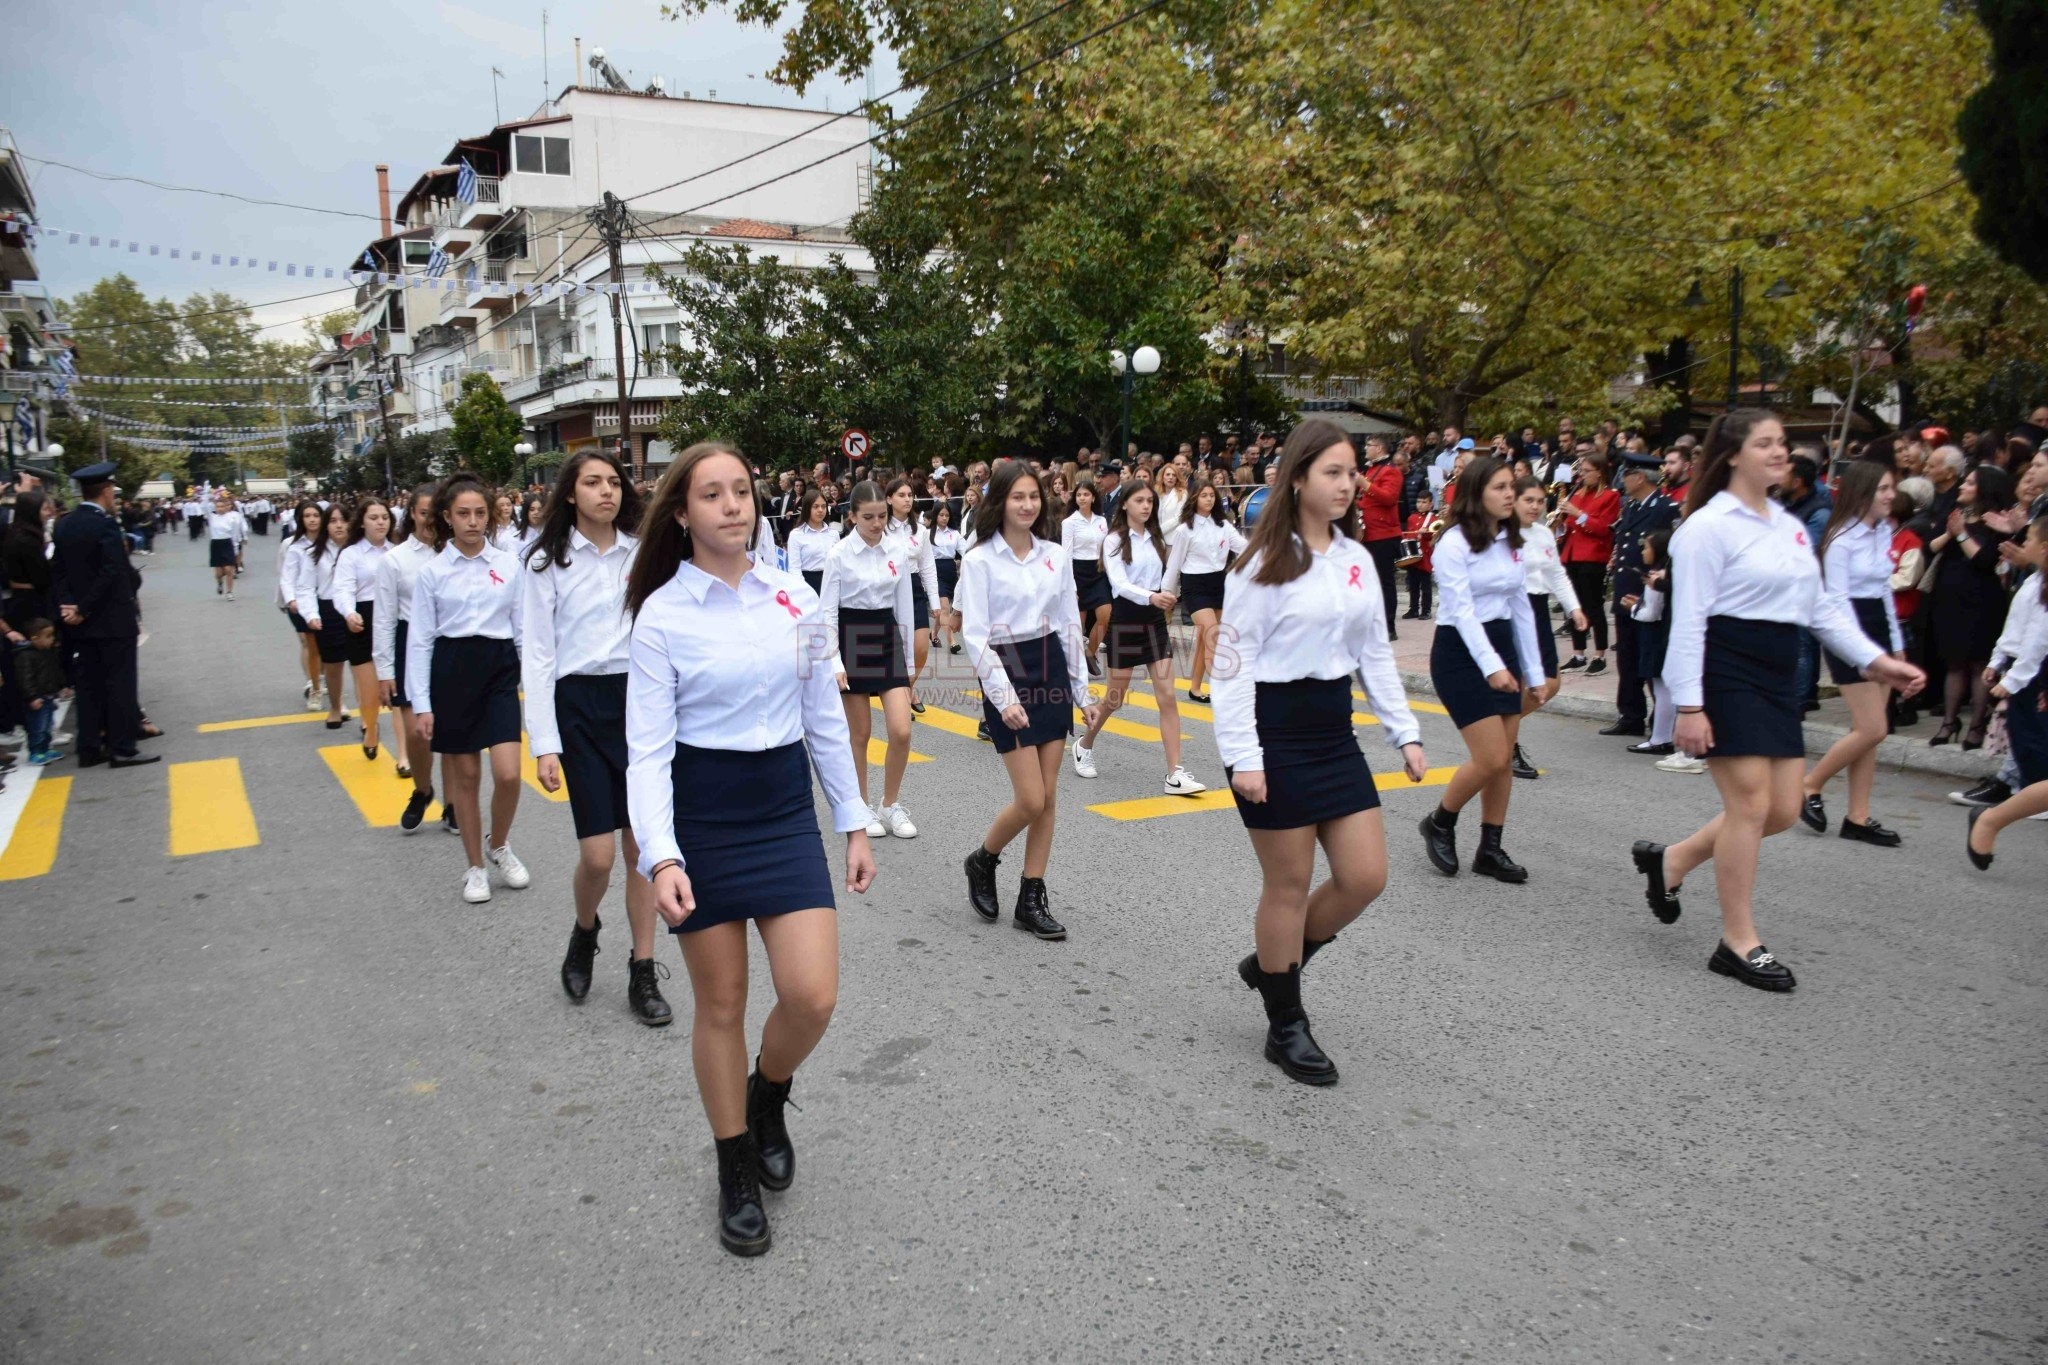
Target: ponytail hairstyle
[(452, 487), (1120, 524), (1717, 453), (409, 527), (864, 492), (664, 541), (1854, 492), (551, 544), (1275, 546), (356, 532), (1468, 511)]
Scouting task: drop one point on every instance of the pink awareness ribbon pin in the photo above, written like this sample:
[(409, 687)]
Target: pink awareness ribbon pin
[(782, 600), (892, 568), (1354, 578), (494, 576)]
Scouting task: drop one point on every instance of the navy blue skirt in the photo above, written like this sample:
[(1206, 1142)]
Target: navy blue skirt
[(475, 685), (1314, 770), (920, 604), (816, 578), (360, 645), (748, 833), (2026, 728), (1459, 684), (220, 554), (1869, 615), (871, 652), (332, 634), (1091, 585), (590, 715), (1653, 642), (1038, 676), (1201, 592), (1137, 635), (949, 577), (1546, 638), (1749, 682)]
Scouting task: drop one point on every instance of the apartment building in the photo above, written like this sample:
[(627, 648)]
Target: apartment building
[(33, 355), (506, 217)]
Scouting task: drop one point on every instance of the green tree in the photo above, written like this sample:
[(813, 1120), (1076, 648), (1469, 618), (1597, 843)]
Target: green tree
[(2004, 130), (485, 430), (311, 455)]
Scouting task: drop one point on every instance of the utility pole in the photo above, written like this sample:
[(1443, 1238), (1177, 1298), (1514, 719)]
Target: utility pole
[(383, 408), (610, 219)]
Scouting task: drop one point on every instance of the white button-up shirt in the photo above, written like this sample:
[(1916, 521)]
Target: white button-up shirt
[(355, 575), (946, 543), (864, 577), (915, 542), (228, 525), (459, 596), (1006, 597), (1727, 560), (315, 579), (746, 670), (1329, 623), (1858, 563), (1201, 546), (1139, 579), (1544, 570), (2024, 641), (291, 563), (809, 545), (1082, 536), (397, 572), (1491, 585), (574, 622)]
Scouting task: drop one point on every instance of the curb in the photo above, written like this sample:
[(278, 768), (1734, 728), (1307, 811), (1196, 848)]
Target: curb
[(1893, 754)]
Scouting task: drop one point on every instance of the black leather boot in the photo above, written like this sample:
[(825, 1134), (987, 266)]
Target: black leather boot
[(1289, 1045), (981, 885), (576, 966), (1492, 860), (1440, 840), (643, 993), (742, 1222), (1248, 970), (1032, 915), (1521, 767), (765, 1124)]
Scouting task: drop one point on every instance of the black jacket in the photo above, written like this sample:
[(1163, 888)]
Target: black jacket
[(90, 571)]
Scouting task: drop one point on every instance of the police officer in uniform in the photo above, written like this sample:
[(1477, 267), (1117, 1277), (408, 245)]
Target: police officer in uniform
[(1644, 509), (95, 585)]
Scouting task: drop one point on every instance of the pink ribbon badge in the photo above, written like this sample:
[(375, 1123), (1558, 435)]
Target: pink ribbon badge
[(1048, 565), (1799, 536), (494, 577), (782, 600), (1355, 584), (892, 568)]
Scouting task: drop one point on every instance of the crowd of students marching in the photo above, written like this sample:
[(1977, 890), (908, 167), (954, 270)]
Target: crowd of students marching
[(685, 677)]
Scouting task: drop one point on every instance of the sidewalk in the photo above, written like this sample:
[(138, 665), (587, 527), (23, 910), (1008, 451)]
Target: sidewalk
[(1592, 698)]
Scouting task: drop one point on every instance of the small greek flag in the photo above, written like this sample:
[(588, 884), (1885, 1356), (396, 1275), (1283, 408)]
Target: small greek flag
[(465, 183), (437, 263)]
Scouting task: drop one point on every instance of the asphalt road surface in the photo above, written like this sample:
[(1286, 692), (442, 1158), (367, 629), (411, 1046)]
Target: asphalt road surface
[(271, 1091)]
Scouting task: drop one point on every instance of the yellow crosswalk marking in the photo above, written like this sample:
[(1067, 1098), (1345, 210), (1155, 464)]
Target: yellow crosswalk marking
[(1129, 729), (210, 809), (216, 727), (1430, 707), (33, 849), (373, 784), (878, 752), (1219, 798), (939, 718)]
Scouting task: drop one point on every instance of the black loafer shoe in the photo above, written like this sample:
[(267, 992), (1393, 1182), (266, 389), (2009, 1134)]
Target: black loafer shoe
[(577, 962), (1814, 815), (1649, 750), (1495, 863), (916, 709), (1200, 698), (1521, 767), (1980, 861), (1649, 859), (1758, 968), (643, 992), (133, 760), (1292, 1048), (1441, 845), (1635, 729), (1871, 832)]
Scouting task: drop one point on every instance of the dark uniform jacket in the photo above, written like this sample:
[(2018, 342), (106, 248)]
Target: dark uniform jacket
[(1638, 519), (90, 571)]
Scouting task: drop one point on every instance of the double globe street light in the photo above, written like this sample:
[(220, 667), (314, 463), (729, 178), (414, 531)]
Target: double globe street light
[(1143, 360)]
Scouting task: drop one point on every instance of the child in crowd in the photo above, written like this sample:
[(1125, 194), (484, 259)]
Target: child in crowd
[(1652, 613), (1421, 583), (41, 670)]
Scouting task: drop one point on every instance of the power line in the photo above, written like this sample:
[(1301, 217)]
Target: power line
[(194, 189), (215, 312)]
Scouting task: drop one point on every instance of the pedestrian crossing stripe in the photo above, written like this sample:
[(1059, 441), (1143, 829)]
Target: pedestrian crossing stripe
[(209, 808), (217, 727), (33, 849), (373, 785), (938, 718), (1129, 729), (1155, 807)]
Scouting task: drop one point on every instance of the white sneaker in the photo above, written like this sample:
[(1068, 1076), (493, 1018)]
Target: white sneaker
[(476, 886), (509, 867), (60, 737), (1178, 783), (316, 701), (1681, 762), (1084, 762), (876, 829), (898, 821), (231, 594)]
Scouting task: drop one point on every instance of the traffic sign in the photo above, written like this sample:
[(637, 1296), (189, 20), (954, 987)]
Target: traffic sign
[(854, 444)]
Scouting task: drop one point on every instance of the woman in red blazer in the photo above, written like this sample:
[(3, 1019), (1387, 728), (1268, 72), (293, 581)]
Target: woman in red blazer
[(1585, 544)]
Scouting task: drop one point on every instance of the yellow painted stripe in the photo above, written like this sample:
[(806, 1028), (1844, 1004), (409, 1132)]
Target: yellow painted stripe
[(210, 809), (217, 727), (1129, 729), (1413, 705), (33, 849), (1219, 798), (373, 784), (529, 770), (939, 719), (878, 752)]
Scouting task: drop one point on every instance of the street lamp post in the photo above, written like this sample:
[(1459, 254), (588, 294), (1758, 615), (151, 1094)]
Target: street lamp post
[(1779, 290), (1143, 360), (524, 450)]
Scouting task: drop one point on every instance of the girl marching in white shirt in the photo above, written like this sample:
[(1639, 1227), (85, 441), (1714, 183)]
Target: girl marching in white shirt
[(1546, 578), (1135, 557), (226, 529), (390, 626), (866, 602), (1022, 625), (1302, 615), (946, 548), (1744, 580), (915, 542), (730, 689), (292, 555), (1486, 662), (2018, 674), (812, 540), (572, 662), (1856, 571), (1203, 542), (315, 591), (355, 587), (1081, 536), (462, 668)]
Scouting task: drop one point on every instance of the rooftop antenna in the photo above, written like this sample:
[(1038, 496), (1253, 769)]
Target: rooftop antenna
[(497, 113), (546, 91)]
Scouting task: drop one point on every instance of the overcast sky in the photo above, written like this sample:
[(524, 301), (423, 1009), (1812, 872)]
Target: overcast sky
[(299, 103)]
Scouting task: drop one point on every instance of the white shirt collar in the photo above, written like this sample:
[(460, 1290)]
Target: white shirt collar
[(698, 584)]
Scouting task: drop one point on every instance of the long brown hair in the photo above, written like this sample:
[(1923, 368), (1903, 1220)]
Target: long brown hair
[(1120, 524), (1468, 511), (356, 532), (1854, 493), (406, 528), (551, 545), (452, 487), (988, 517), (1717, 453), (1274, 546), (664, 541)]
